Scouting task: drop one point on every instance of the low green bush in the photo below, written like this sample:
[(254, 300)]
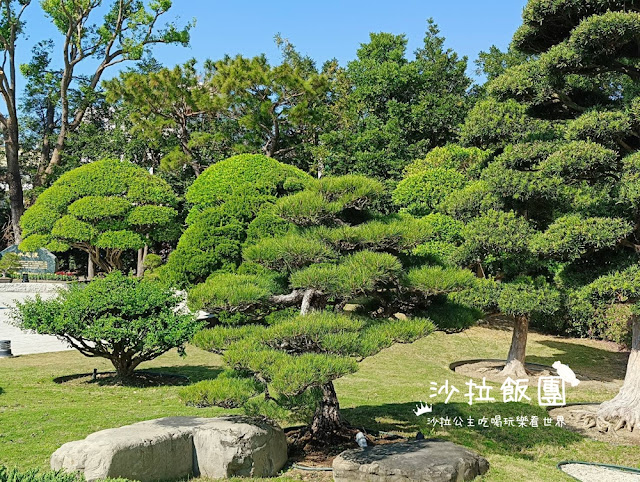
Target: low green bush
[(123, 319)]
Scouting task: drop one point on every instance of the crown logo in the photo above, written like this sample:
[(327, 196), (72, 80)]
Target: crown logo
[(422, 409)]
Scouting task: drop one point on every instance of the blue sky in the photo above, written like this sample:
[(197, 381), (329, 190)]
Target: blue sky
[(323, 29)]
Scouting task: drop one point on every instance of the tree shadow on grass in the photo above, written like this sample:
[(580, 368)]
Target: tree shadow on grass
[(146, 377), (507, 440), (593, 363), (195, 373)]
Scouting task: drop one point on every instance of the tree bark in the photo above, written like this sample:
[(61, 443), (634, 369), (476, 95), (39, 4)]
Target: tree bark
[(517, 352), (14, 179), (124, 366), (327, 420), (140, 266), (624, 409), (312, 300), (91, 270), (45, 149)]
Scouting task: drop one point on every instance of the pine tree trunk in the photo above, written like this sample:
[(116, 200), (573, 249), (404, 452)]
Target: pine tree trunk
[(14, 180), (327, 421), (624, 409), (515, 359)]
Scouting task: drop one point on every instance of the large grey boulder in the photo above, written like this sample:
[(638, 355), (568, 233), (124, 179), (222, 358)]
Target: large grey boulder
[(419, 460), (178, 447)]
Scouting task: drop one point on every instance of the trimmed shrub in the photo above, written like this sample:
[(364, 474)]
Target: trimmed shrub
[(126, 320)]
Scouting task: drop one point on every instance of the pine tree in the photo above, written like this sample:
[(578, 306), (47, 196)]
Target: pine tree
[(280, 318)]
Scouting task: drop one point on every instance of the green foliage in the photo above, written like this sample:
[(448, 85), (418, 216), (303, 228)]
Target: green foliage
[(393, 234), (524, 298), (492, 123), (469, 160), (14, 475), (420, 194), (571, 237), (498, 240), (288, 253), (453, 317), (227, 390), (482, 295), (226, 199), (93, 207), (472, 200), (435, 280), (211, 243), (327, 199), (242, 173), (10, 264), (266, 225), (227, 290), (360, 273), (152, 261), (124, 319)]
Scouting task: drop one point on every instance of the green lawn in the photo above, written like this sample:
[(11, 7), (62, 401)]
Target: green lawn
[(38, 415)]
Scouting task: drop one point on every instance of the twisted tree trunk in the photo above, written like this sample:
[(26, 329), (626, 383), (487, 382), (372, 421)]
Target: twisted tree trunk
[(515, 360), (624, 409), (327, 422)]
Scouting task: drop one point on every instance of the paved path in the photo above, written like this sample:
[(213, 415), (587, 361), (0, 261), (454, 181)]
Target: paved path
[(24, 343)]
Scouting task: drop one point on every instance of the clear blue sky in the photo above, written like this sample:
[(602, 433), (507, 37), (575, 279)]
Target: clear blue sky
[(321, 29)]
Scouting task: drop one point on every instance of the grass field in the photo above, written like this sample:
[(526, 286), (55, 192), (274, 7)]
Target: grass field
[(37, 415)]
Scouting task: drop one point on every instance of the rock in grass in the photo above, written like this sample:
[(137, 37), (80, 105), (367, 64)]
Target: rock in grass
[(418, 460), (176, 448)]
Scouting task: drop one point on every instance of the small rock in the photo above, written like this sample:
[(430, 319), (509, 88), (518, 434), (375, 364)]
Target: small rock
[(419, 460)]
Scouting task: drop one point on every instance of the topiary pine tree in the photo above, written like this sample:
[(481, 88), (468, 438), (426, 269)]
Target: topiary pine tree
[(103, 208), (566, 165), (312, 252), (224, 201)]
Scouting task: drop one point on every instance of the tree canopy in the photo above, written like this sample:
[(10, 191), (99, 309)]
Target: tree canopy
[(103, 208)]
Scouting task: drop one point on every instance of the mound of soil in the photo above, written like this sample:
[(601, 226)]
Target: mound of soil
[(139, 379), (303, 452), (490, 369), (571, 414)]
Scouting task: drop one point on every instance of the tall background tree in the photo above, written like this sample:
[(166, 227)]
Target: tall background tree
[(389, 110), (127, 30), (11, 28), (177, 104)]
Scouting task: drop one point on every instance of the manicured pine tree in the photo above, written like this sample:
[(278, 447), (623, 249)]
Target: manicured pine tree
[(566, 164), (223, 202), (279, 319)]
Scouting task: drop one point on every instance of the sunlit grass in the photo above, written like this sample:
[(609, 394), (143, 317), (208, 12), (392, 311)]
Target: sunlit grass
[(37, 415)]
